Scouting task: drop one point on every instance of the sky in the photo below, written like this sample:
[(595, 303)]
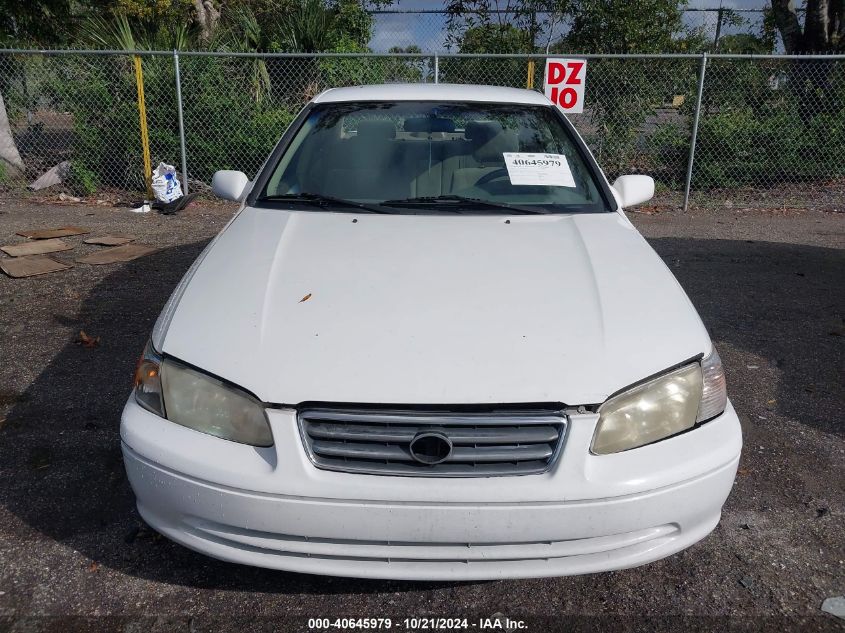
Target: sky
[(428, 31)]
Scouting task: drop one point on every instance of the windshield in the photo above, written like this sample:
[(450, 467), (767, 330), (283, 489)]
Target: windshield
[(392, 157)]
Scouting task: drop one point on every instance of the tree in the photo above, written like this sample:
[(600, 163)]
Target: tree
[(621, 26), (314, 26), (495, 38), (494, 26), (35, 22), (498, 26), (406, 69), (594, 26), (207, 17), (10, 158), (299, 26), (745, 44), (823, 30)]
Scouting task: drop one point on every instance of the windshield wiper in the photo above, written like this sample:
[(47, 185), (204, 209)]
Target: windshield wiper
[(322, 200), (454, 201)]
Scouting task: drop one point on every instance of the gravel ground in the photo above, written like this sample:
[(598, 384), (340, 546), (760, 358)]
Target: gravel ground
[(75, 555)]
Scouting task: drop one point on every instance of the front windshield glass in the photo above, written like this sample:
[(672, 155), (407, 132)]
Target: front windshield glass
[(410, 154)]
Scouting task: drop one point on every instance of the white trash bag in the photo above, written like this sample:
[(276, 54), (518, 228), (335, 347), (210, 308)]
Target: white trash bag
[(166, 186)]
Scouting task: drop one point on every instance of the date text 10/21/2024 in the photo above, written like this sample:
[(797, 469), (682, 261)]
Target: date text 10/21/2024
[(493, 623)]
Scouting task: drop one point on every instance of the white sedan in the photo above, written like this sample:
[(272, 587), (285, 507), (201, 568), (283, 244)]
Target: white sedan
[(430, 345)]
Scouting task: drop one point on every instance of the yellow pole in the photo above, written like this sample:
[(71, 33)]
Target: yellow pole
[(145, 136), (530, 81)]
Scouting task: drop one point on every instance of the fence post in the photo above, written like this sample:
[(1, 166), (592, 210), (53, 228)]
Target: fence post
[(145, 135), (181, 123), (436, 69), (529, 80), (695, 129)]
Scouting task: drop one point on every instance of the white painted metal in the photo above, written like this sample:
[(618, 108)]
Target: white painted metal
[(634, 189), (230, 185), (433, 309), (432, 92)]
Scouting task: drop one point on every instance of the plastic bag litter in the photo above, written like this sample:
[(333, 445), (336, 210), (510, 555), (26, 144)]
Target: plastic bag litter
[(166, 186)]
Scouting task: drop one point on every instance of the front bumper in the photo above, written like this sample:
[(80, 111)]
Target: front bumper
[(272, 508)]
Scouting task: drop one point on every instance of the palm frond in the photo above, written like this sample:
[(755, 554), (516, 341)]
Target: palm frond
[(111, 34), (308, 30)]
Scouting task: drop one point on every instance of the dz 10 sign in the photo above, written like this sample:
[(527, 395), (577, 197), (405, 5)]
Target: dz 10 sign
[(565, 81)]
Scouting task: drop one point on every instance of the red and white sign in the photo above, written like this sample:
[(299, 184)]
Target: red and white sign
[(565, 83)]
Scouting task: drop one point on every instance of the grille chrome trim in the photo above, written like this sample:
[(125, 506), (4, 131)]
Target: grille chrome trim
[(494, 443)]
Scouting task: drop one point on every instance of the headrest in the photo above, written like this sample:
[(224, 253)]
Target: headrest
[(531, 141), (492, 150), (482, 131), (376, 129), (429, 124)]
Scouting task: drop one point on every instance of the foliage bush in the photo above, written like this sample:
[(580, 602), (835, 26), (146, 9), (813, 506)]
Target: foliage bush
[(766, 123), (745, 147), (100, 94), (762, 123), (232, 120), (668, 149), (81, 180), (226, 127)]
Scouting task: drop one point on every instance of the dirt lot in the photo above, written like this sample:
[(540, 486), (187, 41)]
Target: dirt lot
[(75, 555)]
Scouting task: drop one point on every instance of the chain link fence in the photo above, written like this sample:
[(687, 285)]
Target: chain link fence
[(763, 123)]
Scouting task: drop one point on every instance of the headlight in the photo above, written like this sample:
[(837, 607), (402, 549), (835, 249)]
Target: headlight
[(199, 401), (662, 407)]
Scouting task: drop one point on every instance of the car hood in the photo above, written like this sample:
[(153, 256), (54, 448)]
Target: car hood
[(299, 306)]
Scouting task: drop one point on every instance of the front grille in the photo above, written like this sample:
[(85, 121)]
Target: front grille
[(476, 444)]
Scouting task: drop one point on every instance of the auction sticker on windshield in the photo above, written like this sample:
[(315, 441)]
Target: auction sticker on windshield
[(551, 170)]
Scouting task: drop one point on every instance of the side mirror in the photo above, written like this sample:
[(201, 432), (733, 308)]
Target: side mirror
[(229, 185), (634, 189)]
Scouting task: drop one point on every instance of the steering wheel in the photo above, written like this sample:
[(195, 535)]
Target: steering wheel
[(493, 175)]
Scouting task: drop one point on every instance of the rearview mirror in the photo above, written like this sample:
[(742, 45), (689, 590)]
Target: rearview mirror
[(229, 185), (634, 189)]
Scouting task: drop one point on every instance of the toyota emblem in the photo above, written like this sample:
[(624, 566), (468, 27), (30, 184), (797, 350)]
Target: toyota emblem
[(431, 447)]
